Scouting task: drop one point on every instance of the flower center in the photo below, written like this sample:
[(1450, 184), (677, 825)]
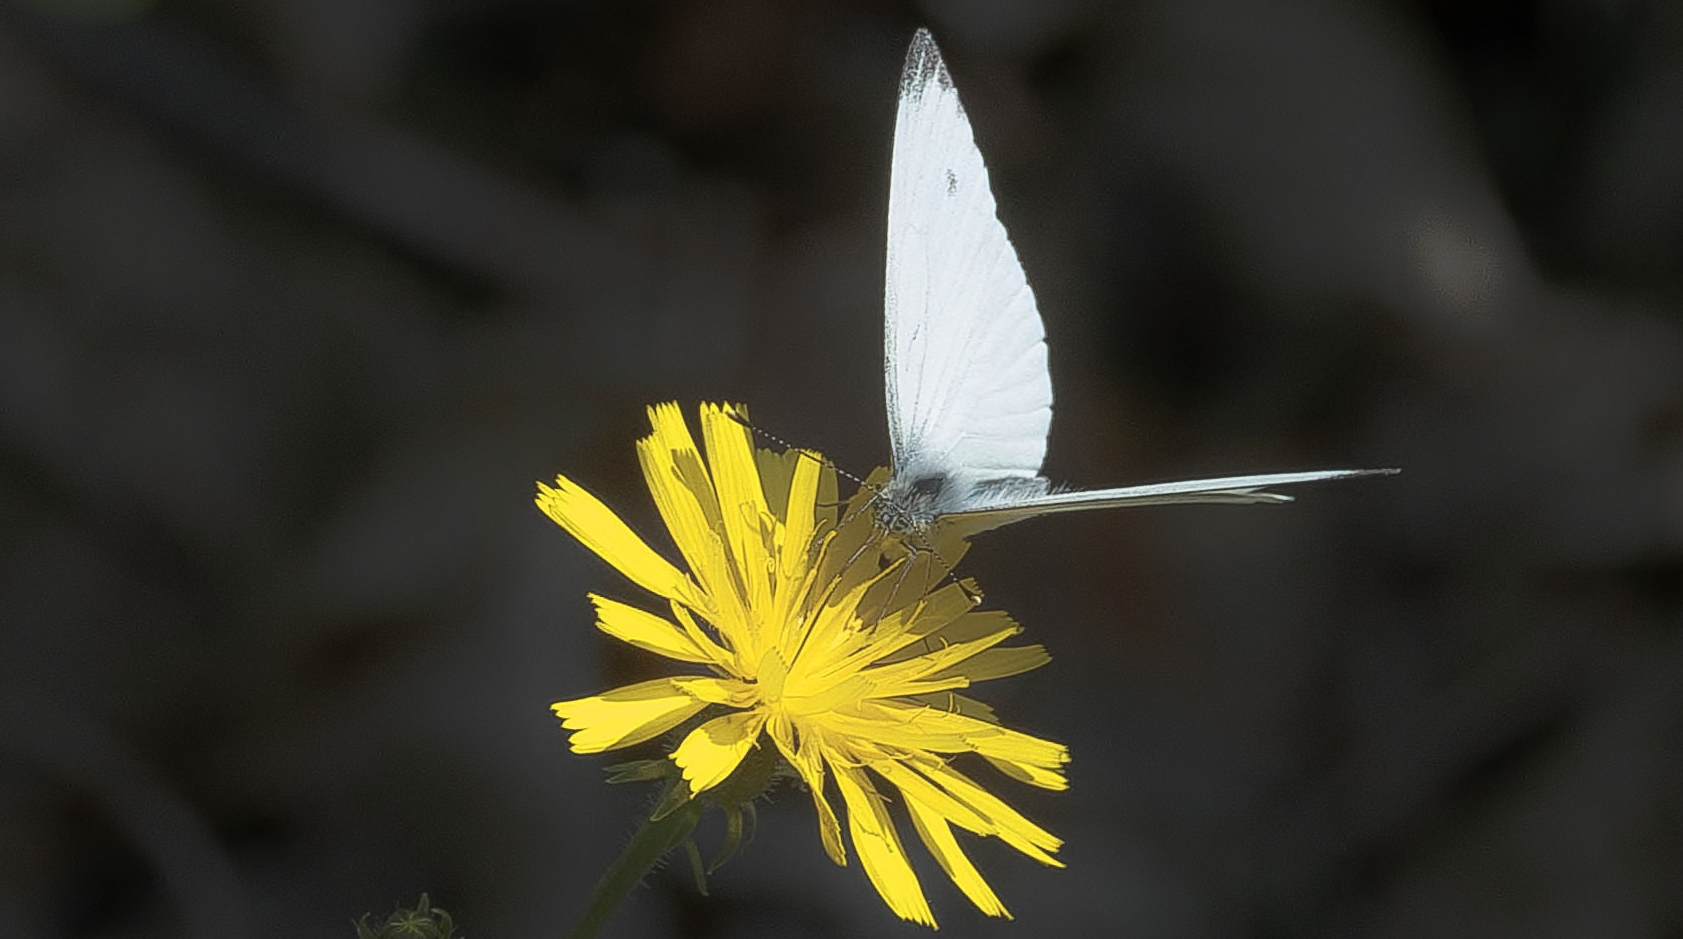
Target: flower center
[(773, 674)]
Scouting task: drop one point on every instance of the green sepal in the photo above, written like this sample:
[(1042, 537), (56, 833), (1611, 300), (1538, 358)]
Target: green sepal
[(733, 835), (696, 866), (676, 797), (640, 771), (425, 921)]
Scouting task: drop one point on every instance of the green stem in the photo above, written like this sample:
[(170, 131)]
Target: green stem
[(647, 847)]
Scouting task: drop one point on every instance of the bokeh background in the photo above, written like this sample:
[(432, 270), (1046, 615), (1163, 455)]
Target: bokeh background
[(299, 297)]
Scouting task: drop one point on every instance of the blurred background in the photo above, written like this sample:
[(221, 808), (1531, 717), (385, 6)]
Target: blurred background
[(299, 297)]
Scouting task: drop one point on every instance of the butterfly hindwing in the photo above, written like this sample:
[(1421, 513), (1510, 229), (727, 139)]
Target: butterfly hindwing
[(1226, 490)]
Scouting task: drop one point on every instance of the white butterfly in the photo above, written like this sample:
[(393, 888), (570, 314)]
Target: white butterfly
[(969, 393)]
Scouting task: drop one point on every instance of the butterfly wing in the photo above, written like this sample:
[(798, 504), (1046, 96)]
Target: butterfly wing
[(969, 393), (1231, 490), (965, 352)]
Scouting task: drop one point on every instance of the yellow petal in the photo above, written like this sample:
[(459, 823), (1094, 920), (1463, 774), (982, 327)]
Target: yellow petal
[(945, 660), (914, 732), (777, 471), (794, 566), (879, 848), (1031, 773), (805, 756), (646, 631), (802, 512), (683, 493), (686, 521), (829, 495), (834, 632), (599, 529), (999, 663), (921, 573), (731, 692), (856, 548), (1009, 824), (723, 655), (914, 786), (975, 624), (822, 698), (937, 836), (670, 439), (912, 726), (742, 502), (1040, 761), (711, 752), (897, 635), (958, 704), (625, 716)]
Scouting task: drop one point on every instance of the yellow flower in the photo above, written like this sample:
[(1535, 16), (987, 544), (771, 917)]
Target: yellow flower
[(817, 630)]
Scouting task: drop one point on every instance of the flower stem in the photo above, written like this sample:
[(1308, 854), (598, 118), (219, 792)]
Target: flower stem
[(647, 847)]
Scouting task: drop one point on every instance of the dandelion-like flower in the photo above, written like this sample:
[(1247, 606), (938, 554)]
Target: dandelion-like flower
[(814, 629)]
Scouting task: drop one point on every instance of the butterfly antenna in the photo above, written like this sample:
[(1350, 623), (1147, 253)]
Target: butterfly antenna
[(740, 418)]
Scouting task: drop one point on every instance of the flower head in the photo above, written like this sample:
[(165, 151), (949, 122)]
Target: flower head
[(812, 628)]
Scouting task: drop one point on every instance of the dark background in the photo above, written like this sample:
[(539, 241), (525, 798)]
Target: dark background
[(299, 297)]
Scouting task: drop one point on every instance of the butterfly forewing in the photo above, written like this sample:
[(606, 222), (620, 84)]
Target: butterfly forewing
[(969, 392)]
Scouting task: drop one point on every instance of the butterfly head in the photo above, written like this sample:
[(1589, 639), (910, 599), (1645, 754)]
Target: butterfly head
[(910, 503)]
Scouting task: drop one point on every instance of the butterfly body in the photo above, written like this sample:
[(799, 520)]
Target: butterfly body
[(914, 504)]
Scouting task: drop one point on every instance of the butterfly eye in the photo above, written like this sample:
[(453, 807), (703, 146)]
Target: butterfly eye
[(928, 486)]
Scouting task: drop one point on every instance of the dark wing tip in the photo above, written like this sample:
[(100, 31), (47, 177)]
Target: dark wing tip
[(923, 65)]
